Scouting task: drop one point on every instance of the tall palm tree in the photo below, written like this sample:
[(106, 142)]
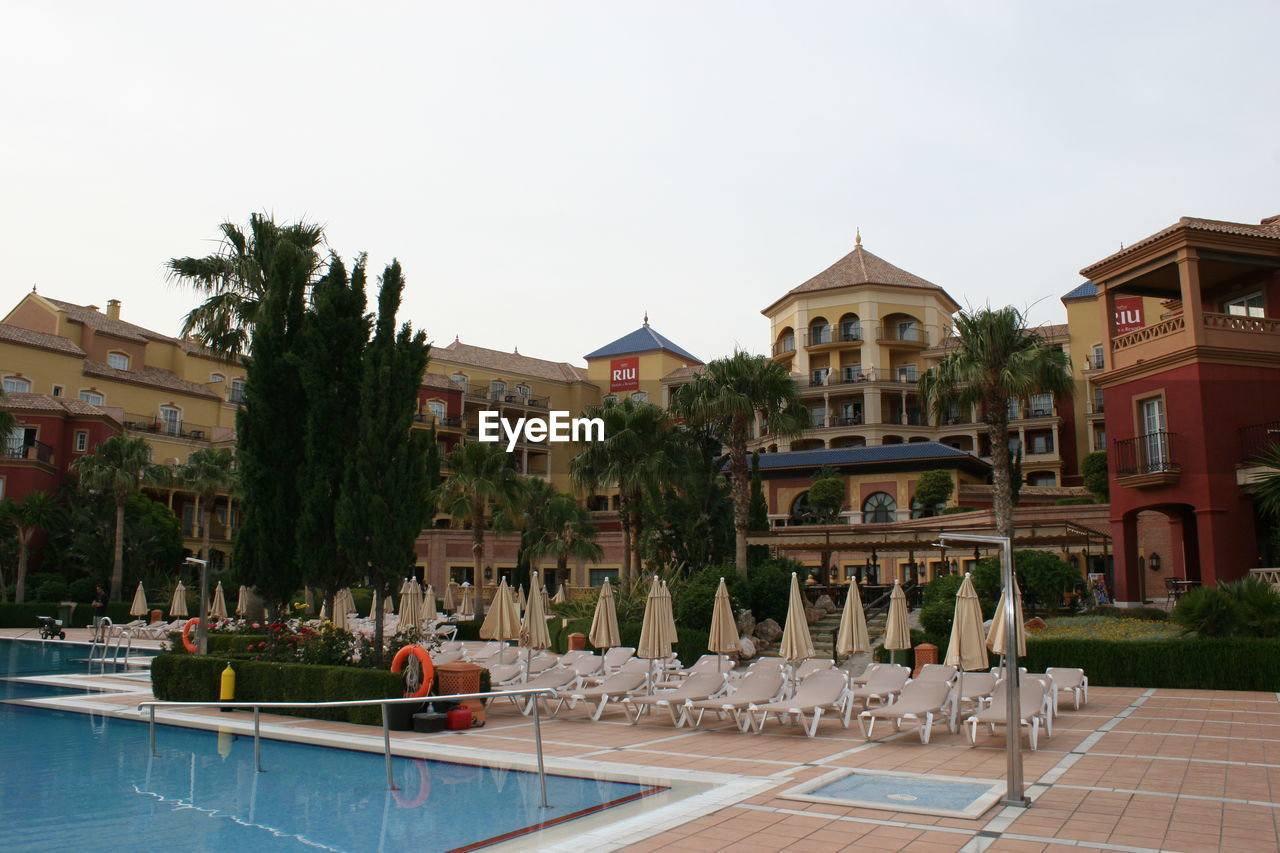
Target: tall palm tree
[(484, 481), (725, 399), (999, 359), (118, 468), (564, 530), (208, 473), (636, 455), (233, 280), (37, 511)]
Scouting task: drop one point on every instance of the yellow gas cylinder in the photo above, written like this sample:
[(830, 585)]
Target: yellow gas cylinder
[(228, 691)]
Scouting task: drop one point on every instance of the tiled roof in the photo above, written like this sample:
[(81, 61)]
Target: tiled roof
[(490, 359), (1082, 291), (643, 339), (31, 402), (152, 377), (99, 321), (437, 380), (861, 267), (1053, 330), (683, 373), (43, 340), (1268, 228), (880, 454)]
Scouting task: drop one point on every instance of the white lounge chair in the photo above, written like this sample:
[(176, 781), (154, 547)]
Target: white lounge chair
[(811, 665), (756, 688), (553, 678), (882, 685), (614, 688), (614, 658), (920, 701), (936, 672), (1031, 712), (820, 692), (695, 687), (971, 687), (1070, 680)]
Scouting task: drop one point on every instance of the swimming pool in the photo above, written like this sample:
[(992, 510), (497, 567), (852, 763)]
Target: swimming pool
[(89, 783), (48, 657)]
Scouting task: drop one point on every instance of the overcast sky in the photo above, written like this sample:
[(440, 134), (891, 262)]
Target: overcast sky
[(547, 172)]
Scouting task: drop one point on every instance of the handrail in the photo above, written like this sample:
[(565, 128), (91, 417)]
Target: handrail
[(152, 704)]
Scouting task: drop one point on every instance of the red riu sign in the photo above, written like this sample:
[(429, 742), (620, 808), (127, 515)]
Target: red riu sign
[(624, 374), (1128, 314)]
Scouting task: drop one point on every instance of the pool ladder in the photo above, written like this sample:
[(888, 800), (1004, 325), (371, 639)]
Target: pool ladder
[(106, 651)]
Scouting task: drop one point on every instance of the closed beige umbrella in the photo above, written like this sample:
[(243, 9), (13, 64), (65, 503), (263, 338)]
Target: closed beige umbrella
[(139, 606), (723, 639), (996, 637), (533, 630), (522, 603), (656, 637), (467, 601), (966, 650), (559, 597), (450, 601), (343, 606), (604, 624), (897, 630), (668, 611), (178, 604), (852, 636), (546, 600), (242, 601), (218, 609), (410, 607), (429, 613), (501, 622), (797, 644)]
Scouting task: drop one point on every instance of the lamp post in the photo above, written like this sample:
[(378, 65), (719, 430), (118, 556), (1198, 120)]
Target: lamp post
[(202, 627), (1014, 794)]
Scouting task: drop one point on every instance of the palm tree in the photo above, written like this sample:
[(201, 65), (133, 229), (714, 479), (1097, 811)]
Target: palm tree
[(999, 359), (725, 399), (484, 481), (208, 473), (37, 511), (564, 530), (234, 279), (118, 467), (636, 456)]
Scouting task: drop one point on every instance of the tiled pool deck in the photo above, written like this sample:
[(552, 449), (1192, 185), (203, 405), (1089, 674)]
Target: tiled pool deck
[(1134, 770)]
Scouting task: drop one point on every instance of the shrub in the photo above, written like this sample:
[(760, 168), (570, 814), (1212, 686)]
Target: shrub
[(1203, 664), (942, 589), (952, 510), (697, 598), (24, 615), (1247, 608), (1076, 501), (768, 587), (936, 616), (1045, 576), (1093, 469), (53, 589), (1149, 614), (934, 488)]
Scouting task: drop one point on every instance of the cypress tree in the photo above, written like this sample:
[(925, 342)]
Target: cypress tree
[(329, 360), (384, 501), (269, 434)]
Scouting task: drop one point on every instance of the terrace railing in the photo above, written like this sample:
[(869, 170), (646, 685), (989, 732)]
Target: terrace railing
[(1151, 453), (36, 450), (1255, 439)]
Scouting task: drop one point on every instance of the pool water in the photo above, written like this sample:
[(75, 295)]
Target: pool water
[(89, 783), (50, 657)]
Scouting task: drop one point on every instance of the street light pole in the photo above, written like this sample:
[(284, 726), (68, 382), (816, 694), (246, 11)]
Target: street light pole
[(202, 627), (1014, 794)]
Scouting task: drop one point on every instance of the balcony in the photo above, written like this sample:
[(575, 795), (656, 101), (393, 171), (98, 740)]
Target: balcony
[(167, 428), (35, 451), (427, 419), (784, 347), (1254, 440), (910, 337), (1146, 461), (1092, 364), (822, 337)]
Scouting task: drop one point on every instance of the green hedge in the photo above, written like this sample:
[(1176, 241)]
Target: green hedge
[(189, 678), (219, 644), (24, 615), (1191, 663)]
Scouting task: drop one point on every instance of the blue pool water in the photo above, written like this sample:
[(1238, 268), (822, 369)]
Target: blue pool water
[(48, 657), (78, 782)]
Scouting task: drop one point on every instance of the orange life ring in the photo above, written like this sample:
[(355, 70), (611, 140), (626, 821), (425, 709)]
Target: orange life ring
[(424, 788), (186, 635), (428, 668)]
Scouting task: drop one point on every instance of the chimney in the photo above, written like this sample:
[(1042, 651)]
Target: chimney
[(113, 309)]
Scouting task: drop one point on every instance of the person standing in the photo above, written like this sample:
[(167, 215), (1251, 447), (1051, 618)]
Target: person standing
[(99, 612)]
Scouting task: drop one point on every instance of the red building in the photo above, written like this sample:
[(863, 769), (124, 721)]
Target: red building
[(52, 433), (1191, 395)]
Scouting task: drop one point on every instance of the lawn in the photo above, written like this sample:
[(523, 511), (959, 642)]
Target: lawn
[(1106, 628)]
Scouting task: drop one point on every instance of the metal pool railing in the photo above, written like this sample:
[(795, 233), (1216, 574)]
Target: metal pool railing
[(354, 703)]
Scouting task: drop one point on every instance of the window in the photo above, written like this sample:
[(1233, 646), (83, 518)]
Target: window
[(819, 331), (820, 376), (17, 442), (609, 400), (909, 330), (818, 416), (1155, 441), (82, 440), (171, 420), (640, 396), (497, 389), (1100, 438), (57, 390), (801, 511), (237, 391), (880, 508), (118, 360), (850, 328), (597, 576), (908, 373), (524, 392), (1013, 410), (1042, 478), (92, 397), (1041, 405), (217, 377), (436, 408), (1246, 306), (1098, 406), (1041, 443), (16, 384), (1095, 361), (459, 379)]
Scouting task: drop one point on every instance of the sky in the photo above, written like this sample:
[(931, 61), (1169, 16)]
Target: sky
[(548, 172)]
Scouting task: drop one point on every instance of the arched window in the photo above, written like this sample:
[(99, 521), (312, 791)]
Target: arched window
[(639, 396), (879, 508), (850, 328), (118, 360), (436, 408), (15, 384), (801, 512), (819, 331), (609, 400), (93, 398), (459, 379), (524, 392), (217, 377), (497, 389)]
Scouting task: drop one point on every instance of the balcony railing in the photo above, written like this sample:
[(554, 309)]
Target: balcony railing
[(1148, 333), (1241, 323), (909, 335), (1151, 453), (819, 335), (172, 429), (1255, 439), (429, 418), (854, 375), (34, 450), (236, 394), (784, 345)]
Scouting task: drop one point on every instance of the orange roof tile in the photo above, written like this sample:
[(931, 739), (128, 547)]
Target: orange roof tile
[(1268, 228), (558, 371), (152, 377), (43, 340)]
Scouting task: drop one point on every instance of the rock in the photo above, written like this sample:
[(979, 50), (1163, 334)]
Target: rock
[(825, 604), (746, 623), (768, 630), (1035, 624), (746, 648), (814, 614)]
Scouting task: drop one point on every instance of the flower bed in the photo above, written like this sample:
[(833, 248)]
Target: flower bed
[(1106, 628)]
